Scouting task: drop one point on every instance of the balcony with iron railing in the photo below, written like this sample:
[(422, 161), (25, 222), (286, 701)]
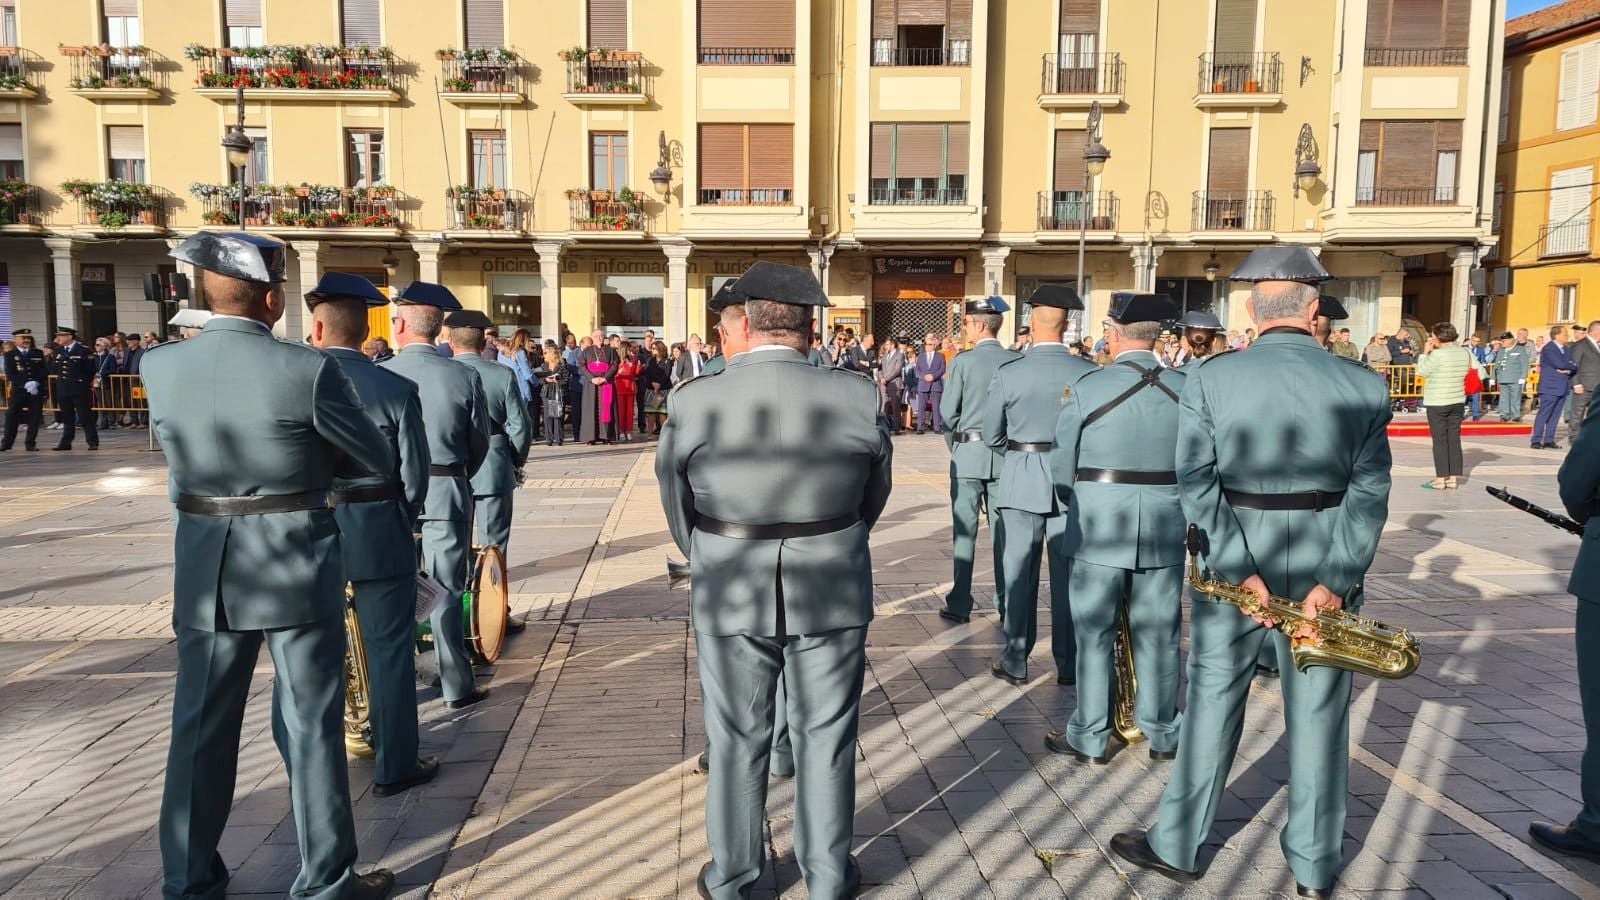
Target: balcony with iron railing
[(607, 78), (1569, 238), (114, 73), (1414, 56), (1239, 79), (119, 207), (19, 74), (954, 53), (1076, 211), (607, 213), (917, 196), (290, 72), (488, 211), (746, 197), (481, 76), (1232, 211), (19, 207), (1370, 195), (746, 56), (290, 209), (1074, 80)]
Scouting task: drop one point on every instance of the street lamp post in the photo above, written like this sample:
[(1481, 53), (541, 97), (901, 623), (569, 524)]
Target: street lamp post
[(1306, 170), (237, 144), (1095, 155)]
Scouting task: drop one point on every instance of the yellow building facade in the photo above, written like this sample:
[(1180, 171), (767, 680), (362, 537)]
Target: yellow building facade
[(1549, 149), (607, 163)]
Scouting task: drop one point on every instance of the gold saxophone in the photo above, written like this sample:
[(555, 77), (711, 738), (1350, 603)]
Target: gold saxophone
[(357, 686), (1125, 686), (1341, 640)]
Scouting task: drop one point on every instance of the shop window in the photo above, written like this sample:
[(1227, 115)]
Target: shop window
[(516, 302), (630, 305)]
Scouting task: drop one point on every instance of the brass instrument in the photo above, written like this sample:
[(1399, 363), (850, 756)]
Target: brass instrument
[(357, 687), (1125, 685), (1341, 639)]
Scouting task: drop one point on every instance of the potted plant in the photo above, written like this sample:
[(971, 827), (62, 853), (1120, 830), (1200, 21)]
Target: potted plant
[(457, 85), (627, 55), (113, 219), (380, 191), (447, 53), (71, 51), (497, 193), (600, 196), (1252, 87), (574, 194), (578, 52), (102, 50), (221, 217)]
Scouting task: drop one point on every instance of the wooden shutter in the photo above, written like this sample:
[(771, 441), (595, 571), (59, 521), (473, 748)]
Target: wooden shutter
[(921, 12), (919, 150), (358, 23), (242, 13), (960, 28), (772, 157), (1236, 26), (1378, 23), (958, 147), (883, 19), (882, 150), (10, 139), (1229, 166), (1407, 158), (1416, 24), (120, 7), (1457, 22), (125, 142), (608, 24), (1371, 136), (1570, 191), (1580, 86), (721, 157), (1447, 135), (486, 24), (1069, 172), (1080, 16), (747, 23)]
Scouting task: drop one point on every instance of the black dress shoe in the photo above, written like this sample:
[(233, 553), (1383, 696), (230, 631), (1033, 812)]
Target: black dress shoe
[(1134, 846), (1056, 742), (476, 696), (999, 671), (375, 885), (1552, 446), (948, 616), (59, 447), (1266, 671), (31, 449), (1318, 893), (1563, 839), (1067, 679), (1163, 755), (426, 771)]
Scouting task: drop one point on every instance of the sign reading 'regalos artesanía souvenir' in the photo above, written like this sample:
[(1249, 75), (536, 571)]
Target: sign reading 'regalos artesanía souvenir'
[(919, 265)]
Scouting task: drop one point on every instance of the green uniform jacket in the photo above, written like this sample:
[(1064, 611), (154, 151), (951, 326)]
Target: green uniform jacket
[(455, 414), (744, 446), (1130, 526), (511, 431), (241, 413), (1580, 485), (378, 536), (714, 365), (1246, 426), (1024, 402), (1513, 364), (966, 386)]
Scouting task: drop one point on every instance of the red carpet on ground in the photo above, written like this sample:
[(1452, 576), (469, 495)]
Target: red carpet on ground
[(1468, 429)]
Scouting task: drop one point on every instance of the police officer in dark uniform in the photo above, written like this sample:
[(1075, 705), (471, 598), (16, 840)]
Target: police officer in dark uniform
[(28, 377), (73, 367)]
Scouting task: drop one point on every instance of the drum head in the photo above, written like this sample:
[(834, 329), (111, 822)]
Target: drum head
[(491, 604)]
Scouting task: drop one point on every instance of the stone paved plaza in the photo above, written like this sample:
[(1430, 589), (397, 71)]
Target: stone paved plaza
[(577, 778)]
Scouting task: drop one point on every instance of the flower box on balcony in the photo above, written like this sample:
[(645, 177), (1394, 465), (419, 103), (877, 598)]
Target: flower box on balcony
[(1252, 87), (71, 51)]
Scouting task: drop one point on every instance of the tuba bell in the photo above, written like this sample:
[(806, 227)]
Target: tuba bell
[(357, 686)]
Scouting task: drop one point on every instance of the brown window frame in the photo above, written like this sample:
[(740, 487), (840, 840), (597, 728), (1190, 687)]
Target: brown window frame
[(746, 193), (611, 156), (488, 136), (371, 155)]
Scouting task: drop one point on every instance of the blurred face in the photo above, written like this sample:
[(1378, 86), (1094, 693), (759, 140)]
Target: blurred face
[(1522, 335), (101, 345), (25, 341)]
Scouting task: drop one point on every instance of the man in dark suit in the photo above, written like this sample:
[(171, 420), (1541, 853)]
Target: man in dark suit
[(28, 377), (692, 363), (1555, 383), (1585, 353), (892, 381), (929, 368), (74, 369)]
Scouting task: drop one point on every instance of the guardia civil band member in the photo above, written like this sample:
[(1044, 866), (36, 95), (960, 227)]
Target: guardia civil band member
[(253, 429), (377, 515), (1114, 471), (1291, 504), (1020, 413), (974, 465), (773, 514), (510, 429)]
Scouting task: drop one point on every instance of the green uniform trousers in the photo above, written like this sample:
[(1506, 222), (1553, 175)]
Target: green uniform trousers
[(1028, 536), (214, 669), (446, 555), (1588, 821), (386, 608), (1154, 601), (967, 496), (739, 676), (492, 513), (1223, 645), (1268, 657)]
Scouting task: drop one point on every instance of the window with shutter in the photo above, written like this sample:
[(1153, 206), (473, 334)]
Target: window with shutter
[(1505, 104), (1499, 209), (1070, 177), (1227, 199), (485, 21), (242, 19), (358, 23), (1571, 213), (1406, 163), (1080, 16), (882, 151), (721, 163), (920, 163), (608, 24), (1377, 23), (118, 8), (488, 158), (1580, 84), (125, 150), (920, 12), (11, 164), (771, 163), (608, 160), (1236, 29), (747, 32), (1415, 24)]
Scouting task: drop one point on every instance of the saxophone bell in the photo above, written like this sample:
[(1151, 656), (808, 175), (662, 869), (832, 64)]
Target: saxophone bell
[(357, 686)]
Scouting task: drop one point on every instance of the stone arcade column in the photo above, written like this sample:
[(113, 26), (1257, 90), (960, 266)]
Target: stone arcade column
[(64, 258), (549, 289), (676, 315), (310, 256), (1461, 263), (428, 253)]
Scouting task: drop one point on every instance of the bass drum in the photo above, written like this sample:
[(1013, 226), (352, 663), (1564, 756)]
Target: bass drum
[(486, 606)]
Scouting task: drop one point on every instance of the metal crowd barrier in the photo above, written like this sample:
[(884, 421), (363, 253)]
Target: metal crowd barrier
[(116, 394), (1406, 384)]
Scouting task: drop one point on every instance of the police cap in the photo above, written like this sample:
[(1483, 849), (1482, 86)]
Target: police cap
[(1198, 319), (1056, 296), (1330, 308), (255, 258), (1281, 264), (987, 306), (781, 284), (426, 293), (1024, 331), (467, 318), (69, 332), (345, 286), (22, 332), (1129, 307)]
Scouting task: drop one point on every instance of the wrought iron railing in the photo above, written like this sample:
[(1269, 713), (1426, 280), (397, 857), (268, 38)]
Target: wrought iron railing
[(481, 72), (490, 209), (606, 211), (1410, 56), (1232, 211), (1569, 238), (306, 206), (953, 53), (1075, 210), (1082, 73), (19, 203), (18, 69), (746, 197), (746, 56), (119, 204), (98, 68), (1368, 195), (1240, 73), (917, 196), (619, 74), (286, 66)]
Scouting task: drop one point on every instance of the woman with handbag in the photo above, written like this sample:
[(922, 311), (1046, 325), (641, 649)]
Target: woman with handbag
[(657, 378), (1451, 371), (552, 377), (627, 388)]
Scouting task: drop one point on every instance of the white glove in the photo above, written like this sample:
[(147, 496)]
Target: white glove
[(31, 387)]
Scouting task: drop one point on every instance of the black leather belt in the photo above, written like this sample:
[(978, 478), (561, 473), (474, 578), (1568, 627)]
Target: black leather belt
[(776, 532), (968, 437), (1315, 501), (497, 428), (1031, 446), (254, 505), (1127, 476), (455, 471), (371, 493)]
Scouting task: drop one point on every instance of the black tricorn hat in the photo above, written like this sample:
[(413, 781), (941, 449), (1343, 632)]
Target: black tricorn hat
[(781, 284), (345, 286), (1056, 296), (993, 305), (1330, 308), (726, 296), (1281, 264), (236, 254), (467, 318), (1128, 307), (1199, 319), (426, 293)]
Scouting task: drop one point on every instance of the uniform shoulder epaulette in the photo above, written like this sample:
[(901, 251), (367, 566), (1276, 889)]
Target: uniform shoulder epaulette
[(701, 377), (1011, 362), (161, 345), (1354, 362), (1206, 359)]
